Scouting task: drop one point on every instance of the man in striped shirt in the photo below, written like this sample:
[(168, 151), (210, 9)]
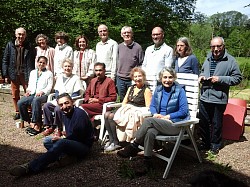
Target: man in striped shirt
[(219, 71)]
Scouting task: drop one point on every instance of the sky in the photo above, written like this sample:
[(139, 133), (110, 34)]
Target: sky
[(210, 7)]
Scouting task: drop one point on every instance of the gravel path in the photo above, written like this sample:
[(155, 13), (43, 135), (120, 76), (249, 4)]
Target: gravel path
[(103, 169)]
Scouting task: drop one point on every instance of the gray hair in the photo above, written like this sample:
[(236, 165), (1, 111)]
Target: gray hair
[(68, 61), (219, 37), (127, 27), (42, 36), (169, 70), (20, 28)]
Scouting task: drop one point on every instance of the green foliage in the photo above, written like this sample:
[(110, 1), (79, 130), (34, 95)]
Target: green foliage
[(125, 170)]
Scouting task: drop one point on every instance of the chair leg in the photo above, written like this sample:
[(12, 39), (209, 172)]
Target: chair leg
[(194, 144), (172, 157)]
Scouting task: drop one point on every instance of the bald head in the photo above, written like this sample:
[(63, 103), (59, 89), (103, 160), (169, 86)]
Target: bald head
[(157, 36)]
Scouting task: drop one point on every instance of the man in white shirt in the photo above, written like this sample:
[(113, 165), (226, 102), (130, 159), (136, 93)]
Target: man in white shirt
[(156, 57), (107, 51)]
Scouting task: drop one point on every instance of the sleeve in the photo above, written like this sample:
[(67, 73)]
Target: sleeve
[(90, 72), (88, 91), (169, 58), (195, 65), (144, 63), (234, 76), (5, 61), (114, 60), (78, 85), (148, 97), (152, 107), (140, 57), (48, 88), (183, 106)]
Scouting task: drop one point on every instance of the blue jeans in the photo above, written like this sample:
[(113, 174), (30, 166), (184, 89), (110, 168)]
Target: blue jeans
[(36, 104), (122, 86), (211, 121), (55, 149)]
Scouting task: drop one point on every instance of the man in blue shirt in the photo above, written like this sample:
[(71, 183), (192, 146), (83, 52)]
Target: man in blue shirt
[(76, 143)]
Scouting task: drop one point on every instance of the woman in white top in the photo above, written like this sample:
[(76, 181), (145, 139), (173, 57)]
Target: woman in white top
[(84, 59), (65, 83), (62, 51), (40, 85), (43, 49)]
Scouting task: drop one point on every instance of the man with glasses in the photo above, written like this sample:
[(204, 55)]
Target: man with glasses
[(100, 90), (219, 71), (130, 55), (18, 61), (107, 51), (156, 57)]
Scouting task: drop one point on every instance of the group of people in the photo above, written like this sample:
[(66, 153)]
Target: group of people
[(69, 73)]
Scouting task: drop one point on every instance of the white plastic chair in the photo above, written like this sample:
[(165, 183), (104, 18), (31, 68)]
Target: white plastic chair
[(100, 117), (186, 127)]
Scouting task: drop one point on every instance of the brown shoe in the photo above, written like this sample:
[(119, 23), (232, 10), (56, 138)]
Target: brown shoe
[(48, 131)]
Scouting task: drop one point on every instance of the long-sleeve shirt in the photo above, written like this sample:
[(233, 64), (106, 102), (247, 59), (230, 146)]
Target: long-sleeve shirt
[(157, 58), (107, 53), (43, 83), (78, 127), (129, 56)]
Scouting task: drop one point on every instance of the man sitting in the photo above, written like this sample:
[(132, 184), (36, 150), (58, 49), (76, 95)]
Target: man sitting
[(100, 90), (76, 144)]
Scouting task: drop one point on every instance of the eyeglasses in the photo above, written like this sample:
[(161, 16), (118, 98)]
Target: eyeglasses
[(98, 70), (218, 46), (156, 34)]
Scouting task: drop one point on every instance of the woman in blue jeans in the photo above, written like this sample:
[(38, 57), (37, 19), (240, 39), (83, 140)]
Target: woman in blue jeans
[(40, 85)]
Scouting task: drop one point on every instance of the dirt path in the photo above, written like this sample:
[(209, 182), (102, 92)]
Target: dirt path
[(99, 169)]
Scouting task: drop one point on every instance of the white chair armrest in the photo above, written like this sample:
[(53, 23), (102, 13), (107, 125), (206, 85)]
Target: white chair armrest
[(78, 102), (146, 114), (186, 122), (114, 105), (51, 97)]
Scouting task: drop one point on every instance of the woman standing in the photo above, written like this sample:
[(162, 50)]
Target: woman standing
[(62, 51), (127, 118), (40, 85), (84, 59), (43, 49), (185, 61)]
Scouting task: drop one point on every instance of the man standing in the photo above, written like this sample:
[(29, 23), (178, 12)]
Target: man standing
[(130, 55), (75, 145), (156, 57), (100, 90), (219, 71), (18, 61), (107, 51)]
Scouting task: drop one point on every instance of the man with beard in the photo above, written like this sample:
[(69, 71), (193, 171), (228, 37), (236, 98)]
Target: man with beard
[(219, 71), (100, 90), (156, 57), (75, 145)]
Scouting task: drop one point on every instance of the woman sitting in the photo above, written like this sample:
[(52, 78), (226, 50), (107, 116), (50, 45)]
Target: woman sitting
[(169, 105), (65, 83), (40, 85), (127, 118)]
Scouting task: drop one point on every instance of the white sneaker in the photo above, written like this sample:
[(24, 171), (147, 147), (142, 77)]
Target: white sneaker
[(106, 145), (112, 147)]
